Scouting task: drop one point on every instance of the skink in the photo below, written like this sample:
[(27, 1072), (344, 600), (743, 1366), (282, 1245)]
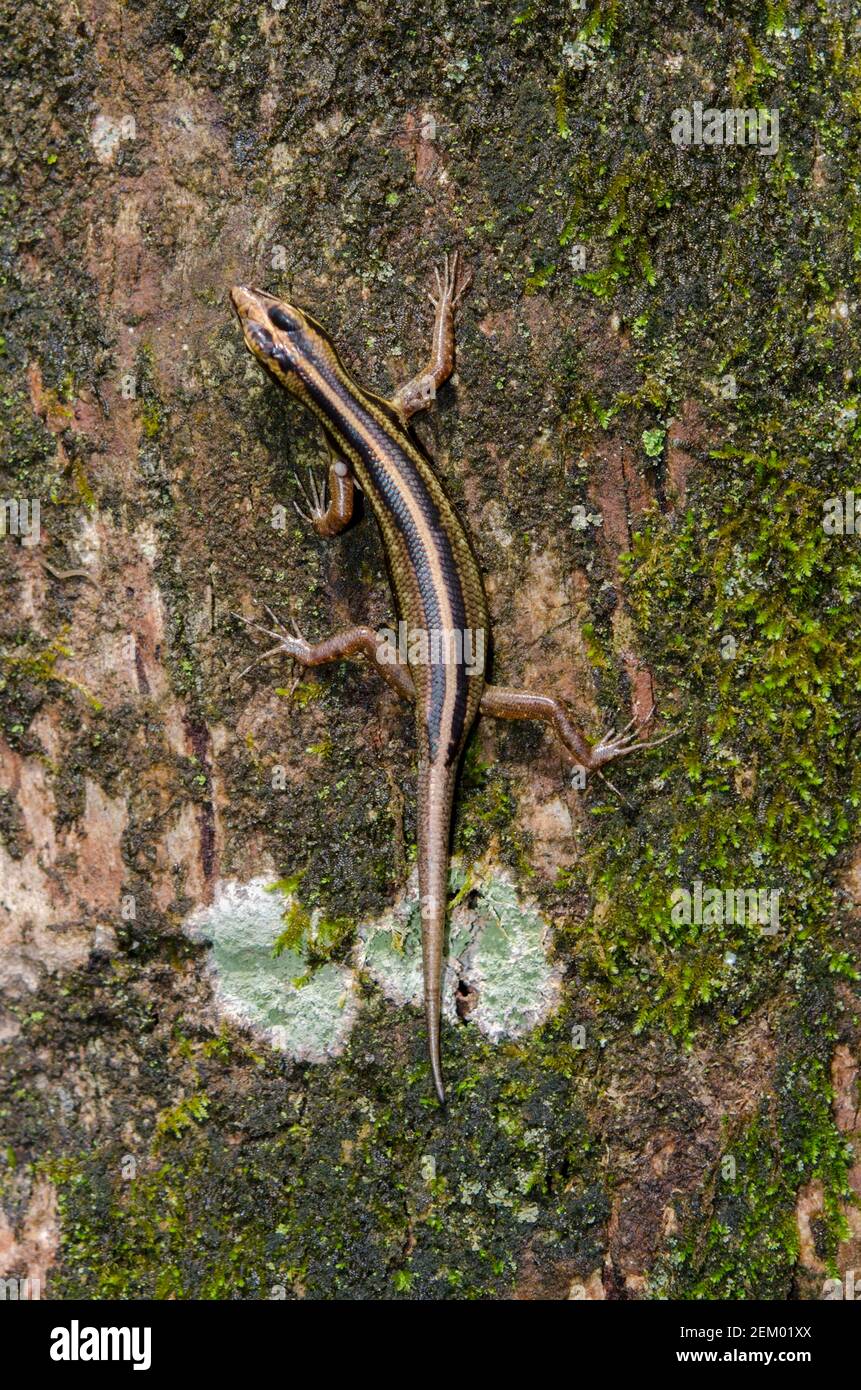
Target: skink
[(435, 578)]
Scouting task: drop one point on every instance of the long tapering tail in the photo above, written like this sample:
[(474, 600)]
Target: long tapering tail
[(435, 794)]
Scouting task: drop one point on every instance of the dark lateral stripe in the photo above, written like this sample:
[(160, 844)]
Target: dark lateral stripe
[(392, 470)]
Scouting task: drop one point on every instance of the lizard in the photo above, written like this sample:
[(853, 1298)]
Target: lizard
[(433, 571)]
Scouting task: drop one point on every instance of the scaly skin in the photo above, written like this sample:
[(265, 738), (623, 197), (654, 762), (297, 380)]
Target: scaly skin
[(434, 575)]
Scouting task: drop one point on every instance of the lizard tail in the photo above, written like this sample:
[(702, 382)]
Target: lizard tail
[(435, 794)]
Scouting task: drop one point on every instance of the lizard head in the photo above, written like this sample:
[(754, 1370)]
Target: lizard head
[(277, 333)]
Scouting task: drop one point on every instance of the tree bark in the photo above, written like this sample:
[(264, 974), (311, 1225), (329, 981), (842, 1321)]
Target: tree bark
[(651, 437)]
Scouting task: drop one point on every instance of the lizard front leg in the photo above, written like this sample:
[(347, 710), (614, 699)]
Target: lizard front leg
[(451, 285), (330, 503)]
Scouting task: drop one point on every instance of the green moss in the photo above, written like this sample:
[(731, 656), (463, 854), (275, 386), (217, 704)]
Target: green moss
[(151, 419), (776, 718), (310, 933), (37, 666), (741, 1240), (313, 936), (337, 1178), (540, 276), (188, 1111), (27, 677)]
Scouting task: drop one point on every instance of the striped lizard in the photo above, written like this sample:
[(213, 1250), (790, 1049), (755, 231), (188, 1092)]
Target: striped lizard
[(433, 571)]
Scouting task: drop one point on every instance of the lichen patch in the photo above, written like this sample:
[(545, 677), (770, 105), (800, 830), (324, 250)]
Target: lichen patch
[(497, 956), (310, 1017)]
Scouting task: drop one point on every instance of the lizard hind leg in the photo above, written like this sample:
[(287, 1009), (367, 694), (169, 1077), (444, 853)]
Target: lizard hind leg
[(503, 703)]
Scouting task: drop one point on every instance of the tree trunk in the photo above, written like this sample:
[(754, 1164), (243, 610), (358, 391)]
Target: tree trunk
[(214, 1080)]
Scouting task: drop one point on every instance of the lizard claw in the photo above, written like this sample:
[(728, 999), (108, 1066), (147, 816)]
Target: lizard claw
[(617, 745), (315, 497), (452, 283), (461, 279), (292, 645)]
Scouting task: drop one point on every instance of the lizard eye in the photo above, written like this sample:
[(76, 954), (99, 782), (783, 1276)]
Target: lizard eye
[(261, 339), (283, 320)]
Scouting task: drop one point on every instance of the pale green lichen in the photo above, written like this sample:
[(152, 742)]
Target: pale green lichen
[(497, 947), (497, 950), (309, 1017)]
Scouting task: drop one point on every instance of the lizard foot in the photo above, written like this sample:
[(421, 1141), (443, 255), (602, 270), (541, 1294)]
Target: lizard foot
[(612, 745), (290, 644), (316, 499), (452, 282)]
